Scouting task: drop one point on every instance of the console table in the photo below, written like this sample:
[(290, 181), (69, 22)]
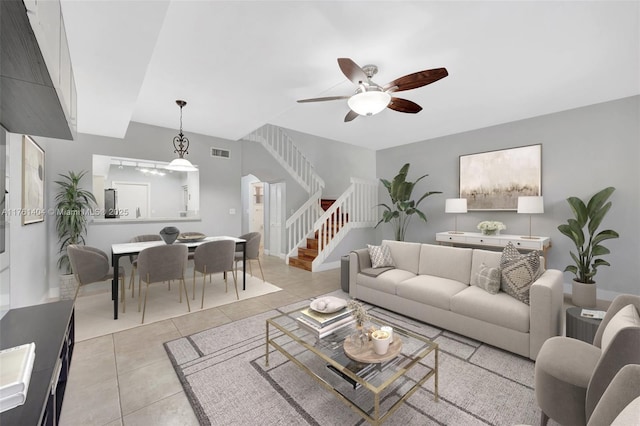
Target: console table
[(51, 327), (543, 244)]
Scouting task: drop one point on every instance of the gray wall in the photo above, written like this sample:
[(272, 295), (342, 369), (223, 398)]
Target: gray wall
[(583, 150)]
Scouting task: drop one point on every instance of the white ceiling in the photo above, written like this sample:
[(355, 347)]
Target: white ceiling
[(241, 64)]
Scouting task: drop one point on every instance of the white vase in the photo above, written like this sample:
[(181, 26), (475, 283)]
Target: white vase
[(68, 287), (583, 295)]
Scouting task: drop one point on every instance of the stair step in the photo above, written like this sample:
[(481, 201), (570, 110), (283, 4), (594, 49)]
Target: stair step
[(312, 243), (307, 254), (300, 263), (326, 203)]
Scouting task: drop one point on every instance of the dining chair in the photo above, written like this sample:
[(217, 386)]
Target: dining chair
[(252, 247), (91, 265), (133, 257), (213, 257), (159, 264)]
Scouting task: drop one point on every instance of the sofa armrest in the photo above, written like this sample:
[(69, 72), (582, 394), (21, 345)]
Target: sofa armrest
[(358, 260), (546, 297)]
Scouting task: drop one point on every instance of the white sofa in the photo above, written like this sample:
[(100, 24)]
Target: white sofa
[(435, 284)]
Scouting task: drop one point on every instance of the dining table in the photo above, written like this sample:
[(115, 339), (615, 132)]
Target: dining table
[(119, 250)]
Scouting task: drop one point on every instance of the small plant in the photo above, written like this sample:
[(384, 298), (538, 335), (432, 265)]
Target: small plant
[(588, 215), (358, 312), (491, 226), (403, 208), (72, 207)]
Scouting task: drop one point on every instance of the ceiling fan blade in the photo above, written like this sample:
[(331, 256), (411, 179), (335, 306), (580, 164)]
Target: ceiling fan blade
[(328, 98), (352, 71), (351, 115), (404, 105), (415, 80)]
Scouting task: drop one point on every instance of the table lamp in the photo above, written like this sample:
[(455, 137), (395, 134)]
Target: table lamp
[(530, 206), (455, 205)]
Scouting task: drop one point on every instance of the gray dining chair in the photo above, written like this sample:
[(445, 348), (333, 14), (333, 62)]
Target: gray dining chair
[(253, 251), (133, 258), (213, 257), (159, 264), (91, 265)]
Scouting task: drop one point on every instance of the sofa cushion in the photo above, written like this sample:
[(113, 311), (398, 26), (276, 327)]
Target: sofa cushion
[(430, 290), (405, 255), (499, 309), (385, 282), (489, 258), (519, 271), (488, 279), (380, 256), (453, 263), (374, 272)]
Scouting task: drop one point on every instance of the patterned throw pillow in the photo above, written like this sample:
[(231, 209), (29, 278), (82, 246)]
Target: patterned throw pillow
[(488, 279), (518, 272), (380, 256)]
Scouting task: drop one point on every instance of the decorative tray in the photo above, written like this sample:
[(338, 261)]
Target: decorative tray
[(366, 353), (191, 237)]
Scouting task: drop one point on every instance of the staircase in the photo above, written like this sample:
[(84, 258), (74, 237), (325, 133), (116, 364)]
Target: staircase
[(317, 227)]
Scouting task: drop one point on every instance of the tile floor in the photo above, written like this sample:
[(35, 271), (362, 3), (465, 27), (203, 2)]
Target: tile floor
[(126, 378)]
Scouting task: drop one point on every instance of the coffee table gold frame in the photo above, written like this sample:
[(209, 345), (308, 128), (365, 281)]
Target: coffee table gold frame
[(288, 327)]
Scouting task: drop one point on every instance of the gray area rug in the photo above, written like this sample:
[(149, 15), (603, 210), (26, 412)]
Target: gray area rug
[(224, 376)]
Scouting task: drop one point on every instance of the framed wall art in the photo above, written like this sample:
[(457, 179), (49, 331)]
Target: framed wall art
[(32, 182), (494, 180)]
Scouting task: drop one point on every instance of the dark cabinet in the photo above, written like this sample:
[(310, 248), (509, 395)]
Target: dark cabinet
[(51, 326)]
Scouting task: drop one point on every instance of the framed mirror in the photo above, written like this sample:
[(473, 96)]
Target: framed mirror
[(137, 189)]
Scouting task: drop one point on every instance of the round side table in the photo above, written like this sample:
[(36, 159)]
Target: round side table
[(580, 327)]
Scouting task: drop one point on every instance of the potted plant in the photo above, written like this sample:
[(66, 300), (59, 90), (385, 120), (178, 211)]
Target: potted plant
[(588, 245), (491, 227), (73, 205), (402, 207)]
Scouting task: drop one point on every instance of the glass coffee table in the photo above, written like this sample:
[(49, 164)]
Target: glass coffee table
[(374, 391)]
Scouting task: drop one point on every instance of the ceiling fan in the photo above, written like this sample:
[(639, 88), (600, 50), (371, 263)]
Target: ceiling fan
[(371, 98)]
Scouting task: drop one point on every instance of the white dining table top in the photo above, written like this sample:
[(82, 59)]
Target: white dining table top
[(133, 248)]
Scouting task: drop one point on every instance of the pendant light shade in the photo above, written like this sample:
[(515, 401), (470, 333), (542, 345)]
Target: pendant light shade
[(181, 145)]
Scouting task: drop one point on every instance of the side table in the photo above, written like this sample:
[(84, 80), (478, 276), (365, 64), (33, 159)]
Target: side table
[(579, 327)]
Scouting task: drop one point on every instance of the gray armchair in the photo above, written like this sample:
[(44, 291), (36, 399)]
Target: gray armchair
[(162, 263), (213, 257), (133, 258), (253, 251), (571, 376), (620, 403), (91, 265)]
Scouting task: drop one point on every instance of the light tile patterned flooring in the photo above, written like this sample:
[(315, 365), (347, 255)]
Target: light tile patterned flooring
[(126, 378)]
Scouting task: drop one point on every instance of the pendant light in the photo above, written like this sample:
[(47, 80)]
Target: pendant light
[(181, 145)]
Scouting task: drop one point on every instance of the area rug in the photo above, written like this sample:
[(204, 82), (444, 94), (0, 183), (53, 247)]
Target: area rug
[(224, 376), (94, 309)]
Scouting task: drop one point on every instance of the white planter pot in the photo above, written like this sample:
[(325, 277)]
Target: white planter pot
[(583, 295), (68, 287)]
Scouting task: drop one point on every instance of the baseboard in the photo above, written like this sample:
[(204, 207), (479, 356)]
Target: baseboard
[(328, 266)]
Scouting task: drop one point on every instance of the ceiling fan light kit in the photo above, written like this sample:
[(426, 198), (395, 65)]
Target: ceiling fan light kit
[(369, 103), (371, 98)]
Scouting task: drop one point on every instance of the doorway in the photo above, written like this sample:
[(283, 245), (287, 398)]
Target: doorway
[(277, 245)]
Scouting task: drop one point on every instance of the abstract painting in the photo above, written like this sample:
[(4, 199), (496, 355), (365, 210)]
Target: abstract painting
[(494, 180), (32, 182)]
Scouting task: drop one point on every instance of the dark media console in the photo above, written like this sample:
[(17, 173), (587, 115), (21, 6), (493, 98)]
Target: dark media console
[(51, 327)]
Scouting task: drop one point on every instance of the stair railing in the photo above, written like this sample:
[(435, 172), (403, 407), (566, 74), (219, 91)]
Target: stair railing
[(355, 208), (300, 224), (283, 149)]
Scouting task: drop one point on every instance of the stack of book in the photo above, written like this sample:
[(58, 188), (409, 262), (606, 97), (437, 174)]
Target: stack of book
[(15, 373), (322, 324)]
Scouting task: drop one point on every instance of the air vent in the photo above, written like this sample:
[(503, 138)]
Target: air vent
[(222, 153)]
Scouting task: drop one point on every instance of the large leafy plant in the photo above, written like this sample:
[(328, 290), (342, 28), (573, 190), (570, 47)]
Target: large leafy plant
[(402, 207), (73, 205), (589, 247)]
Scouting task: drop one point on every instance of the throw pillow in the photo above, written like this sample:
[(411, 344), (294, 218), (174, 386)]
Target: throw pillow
[(488, 279), (518, 272), (625, 317), (380, 256)]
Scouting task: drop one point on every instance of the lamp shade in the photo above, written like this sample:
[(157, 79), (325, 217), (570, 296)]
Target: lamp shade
[(181, 165), (369, 103), (530, 205), (455, 205)]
